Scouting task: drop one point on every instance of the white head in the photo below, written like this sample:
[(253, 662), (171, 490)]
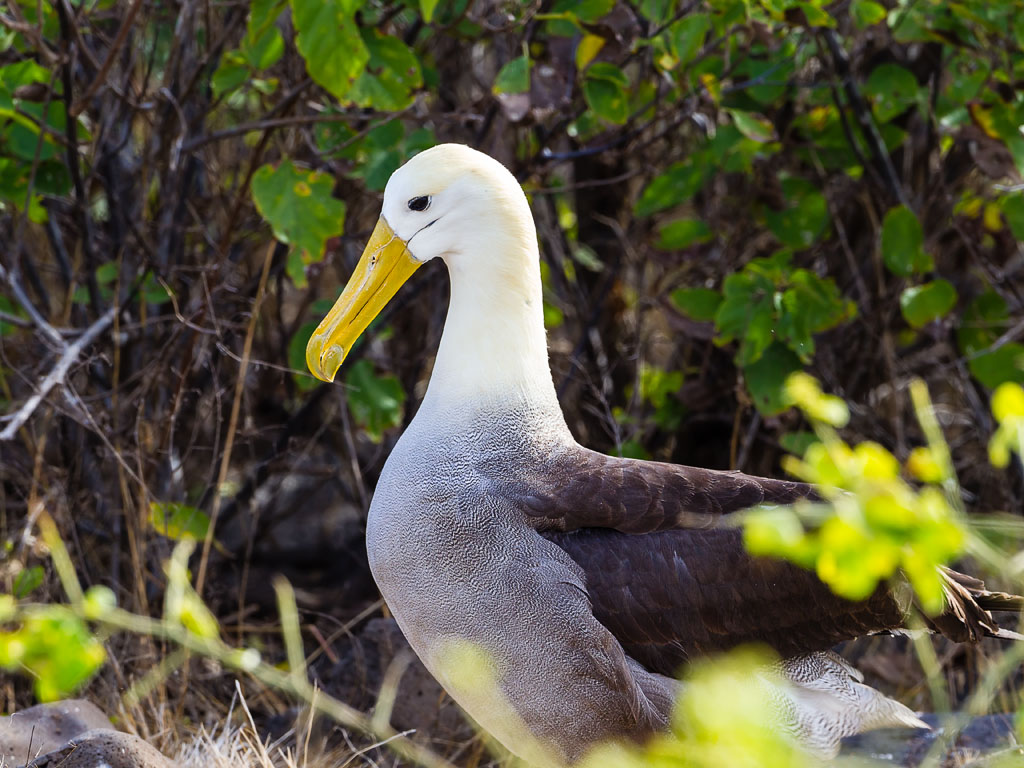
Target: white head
[(455, 203), (462, 206)]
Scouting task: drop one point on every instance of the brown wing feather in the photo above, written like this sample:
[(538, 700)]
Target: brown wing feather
[(580, 488), (675, 595), (684, 587)]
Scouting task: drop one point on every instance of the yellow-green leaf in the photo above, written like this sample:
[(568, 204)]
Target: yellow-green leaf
[(514, 77), (903, 243), (178, 521), (427, 8), (922, 304), (1008, 402), (753, 125), (588, 48), (299, 207)]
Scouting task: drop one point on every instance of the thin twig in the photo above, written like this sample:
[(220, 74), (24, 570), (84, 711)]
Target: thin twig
[(13, 279), (277, 122), (56, 376), (115, 47), (71, 129), (841, 65), (233, 421)]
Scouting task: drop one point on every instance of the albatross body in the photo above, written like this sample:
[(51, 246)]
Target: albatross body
[(579, 578)]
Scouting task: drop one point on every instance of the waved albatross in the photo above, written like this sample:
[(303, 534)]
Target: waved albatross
[(573, 571)]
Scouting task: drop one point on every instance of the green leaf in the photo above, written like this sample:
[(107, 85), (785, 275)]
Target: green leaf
[(263, 45), (866, 13), (604, 88), (1013, 209), (329, 41), (766, 78), (966, 75), (634, 449), (514, 77), (676, 185), (56, 648), (380, 167), (589, 11), (178, 521), (682, 233), (699, 304), (816, 17), (656, 10), (985, 320), (921, 304), (606, 71), (798, 442), (753, 125), (805, 217), (1003, 364), (766, 378), (903, 243), (768, 302), (153, 292), (391, 75), (657, 384), (27, 581), (427, 8), (299, 207), (53, 178), (24, 72), (892, 89), (230, 74), (747, 313), (809, 305), (376, 402), (6, 305), (687, 36)]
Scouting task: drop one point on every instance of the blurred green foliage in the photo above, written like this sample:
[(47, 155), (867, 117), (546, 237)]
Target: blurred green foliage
[(53, 645), (721, 719), (178, 521), (872, 523), (1008, 408)]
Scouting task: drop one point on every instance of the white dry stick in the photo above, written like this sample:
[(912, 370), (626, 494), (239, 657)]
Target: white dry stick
[(56, 376), (13, 279)]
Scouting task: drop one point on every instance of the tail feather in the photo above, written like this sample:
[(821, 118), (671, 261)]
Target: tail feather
[(1000, 601), (967, 617), (1009, 634), (823, 700)]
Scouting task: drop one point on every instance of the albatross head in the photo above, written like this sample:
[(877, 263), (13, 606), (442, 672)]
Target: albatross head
[(462, 206)]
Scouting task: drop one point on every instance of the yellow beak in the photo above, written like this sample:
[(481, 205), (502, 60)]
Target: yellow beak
[(385, 264)]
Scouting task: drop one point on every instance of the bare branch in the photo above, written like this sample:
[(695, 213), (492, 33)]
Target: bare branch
[(56, 376)]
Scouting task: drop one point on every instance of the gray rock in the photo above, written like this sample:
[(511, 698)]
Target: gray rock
[(43, 728), (103, 748), (909, 747)]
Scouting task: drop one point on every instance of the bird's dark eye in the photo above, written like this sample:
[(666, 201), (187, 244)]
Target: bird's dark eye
[(419, 203)]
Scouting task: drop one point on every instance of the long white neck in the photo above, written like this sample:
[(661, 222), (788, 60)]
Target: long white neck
[(493, 351)]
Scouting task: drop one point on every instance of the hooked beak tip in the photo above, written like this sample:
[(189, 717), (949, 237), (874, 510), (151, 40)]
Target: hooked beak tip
[(324, 362), (330, 361)]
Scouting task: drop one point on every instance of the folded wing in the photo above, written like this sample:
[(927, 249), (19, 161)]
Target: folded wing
[(580, 488), (672, 596), (667, 572)]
